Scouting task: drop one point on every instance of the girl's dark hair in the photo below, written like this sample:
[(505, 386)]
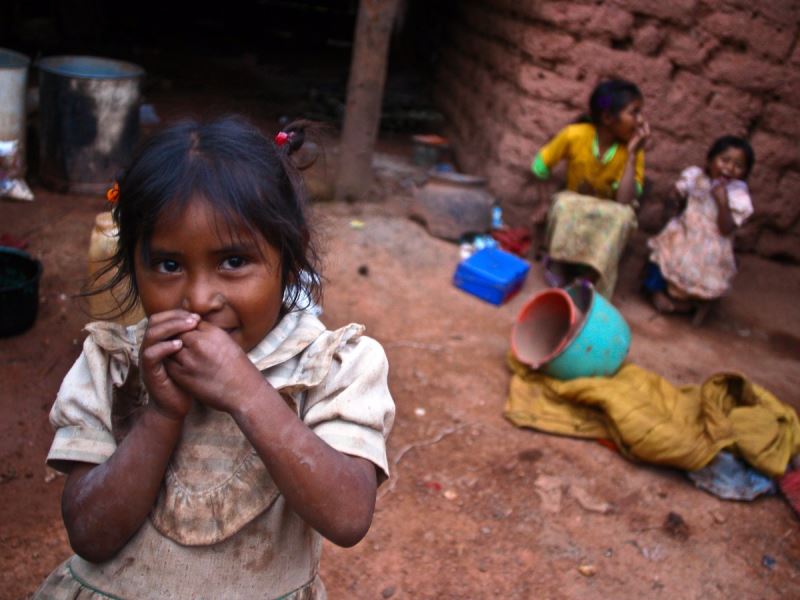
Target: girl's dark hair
[(246, 178), (731, 141), (611, 96)]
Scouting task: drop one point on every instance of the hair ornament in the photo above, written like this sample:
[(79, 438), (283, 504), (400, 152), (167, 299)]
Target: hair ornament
[(604, 102), (281, 138), (112, 193)]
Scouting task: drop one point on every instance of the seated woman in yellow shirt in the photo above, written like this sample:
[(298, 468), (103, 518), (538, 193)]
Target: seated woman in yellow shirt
[(588, 228)]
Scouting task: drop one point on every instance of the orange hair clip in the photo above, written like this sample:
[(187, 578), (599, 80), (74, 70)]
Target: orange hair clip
[(112, 193)]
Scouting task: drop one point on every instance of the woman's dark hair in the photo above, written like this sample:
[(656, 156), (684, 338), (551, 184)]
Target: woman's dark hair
[(611, 97), (244, 176), (731, 141)]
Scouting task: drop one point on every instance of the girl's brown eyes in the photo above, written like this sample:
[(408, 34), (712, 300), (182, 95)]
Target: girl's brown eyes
[(234, 262), (166, 266)]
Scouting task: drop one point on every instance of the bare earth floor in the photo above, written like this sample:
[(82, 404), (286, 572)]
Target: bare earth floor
[(475, 507)]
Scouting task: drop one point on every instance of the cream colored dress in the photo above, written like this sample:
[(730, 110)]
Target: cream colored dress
[(694, 257), (220, 527)]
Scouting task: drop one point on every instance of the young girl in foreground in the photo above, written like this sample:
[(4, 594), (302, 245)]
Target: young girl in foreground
[(692, 258), (587, 233), (209, 447)]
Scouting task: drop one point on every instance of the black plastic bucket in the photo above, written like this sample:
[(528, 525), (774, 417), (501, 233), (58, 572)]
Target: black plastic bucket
[(19, 290), (88, 121)]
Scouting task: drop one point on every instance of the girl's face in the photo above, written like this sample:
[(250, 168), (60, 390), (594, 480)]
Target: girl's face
[(624, 125), (731, 163), (224, 274)]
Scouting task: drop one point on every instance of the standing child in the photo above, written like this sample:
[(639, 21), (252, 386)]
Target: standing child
[(209, 447), (692, 258), (587, 229)]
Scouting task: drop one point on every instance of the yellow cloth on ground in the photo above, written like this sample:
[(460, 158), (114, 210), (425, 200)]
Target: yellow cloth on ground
[(651, 420)]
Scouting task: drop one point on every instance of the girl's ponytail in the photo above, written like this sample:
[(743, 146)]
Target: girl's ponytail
[(292, 138)]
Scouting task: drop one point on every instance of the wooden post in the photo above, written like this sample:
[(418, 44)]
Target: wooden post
[(364, 97)]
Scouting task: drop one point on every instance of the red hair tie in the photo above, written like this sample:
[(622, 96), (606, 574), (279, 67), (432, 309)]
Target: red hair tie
[(112, 193), (281, 138)]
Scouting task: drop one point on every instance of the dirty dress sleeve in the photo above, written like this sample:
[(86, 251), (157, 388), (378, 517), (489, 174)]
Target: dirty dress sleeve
[(740, 203), (686, 181), (81, 414), (352, 409)]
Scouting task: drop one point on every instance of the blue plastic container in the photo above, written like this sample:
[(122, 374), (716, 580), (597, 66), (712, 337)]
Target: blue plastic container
[(599, 343), (491, 274)]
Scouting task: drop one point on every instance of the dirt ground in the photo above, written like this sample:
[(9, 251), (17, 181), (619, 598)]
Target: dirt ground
[(471, 508), (475, 507)]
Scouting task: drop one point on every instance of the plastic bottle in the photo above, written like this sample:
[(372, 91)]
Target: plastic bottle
[(102, 246), (497, 216)]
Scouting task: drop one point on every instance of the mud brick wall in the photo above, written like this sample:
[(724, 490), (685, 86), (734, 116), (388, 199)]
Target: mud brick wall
[(513, 72)]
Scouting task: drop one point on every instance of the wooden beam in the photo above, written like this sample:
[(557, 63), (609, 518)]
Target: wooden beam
[(364, 97)]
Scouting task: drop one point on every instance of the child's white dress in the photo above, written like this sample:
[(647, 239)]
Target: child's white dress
[(220, 527), (694, 257)]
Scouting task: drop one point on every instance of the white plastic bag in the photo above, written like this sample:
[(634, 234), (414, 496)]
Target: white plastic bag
[(12, 186)]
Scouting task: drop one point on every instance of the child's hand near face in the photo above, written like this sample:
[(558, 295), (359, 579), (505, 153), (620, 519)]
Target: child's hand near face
[(161, 342), (719, 193), (639, 138), (213, 368), (725, 222)]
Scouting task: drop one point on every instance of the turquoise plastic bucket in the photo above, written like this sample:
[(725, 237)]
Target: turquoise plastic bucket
[(598, 344)]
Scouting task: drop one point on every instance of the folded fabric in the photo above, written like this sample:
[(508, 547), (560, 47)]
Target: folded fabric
[(516, 240), (651, 420)]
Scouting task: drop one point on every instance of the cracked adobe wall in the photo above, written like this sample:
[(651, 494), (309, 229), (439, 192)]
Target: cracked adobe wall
[(513, 72)]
